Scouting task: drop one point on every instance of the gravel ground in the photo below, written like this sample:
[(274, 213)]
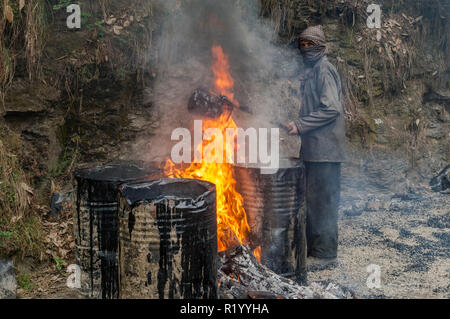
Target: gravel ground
[(405, 233)]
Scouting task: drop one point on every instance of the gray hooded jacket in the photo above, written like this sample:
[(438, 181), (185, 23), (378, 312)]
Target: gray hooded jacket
[(321, 122)]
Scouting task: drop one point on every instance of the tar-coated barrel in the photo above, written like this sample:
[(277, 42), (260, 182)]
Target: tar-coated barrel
[(168, 240), (96, 225), (274, 204)]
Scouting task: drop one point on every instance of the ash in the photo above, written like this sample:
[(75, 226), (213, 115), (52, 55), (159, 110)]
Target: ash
[(241, 276)]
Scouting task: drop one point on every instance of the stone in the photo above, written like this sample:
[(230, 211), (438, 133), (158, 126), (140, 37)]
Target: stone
[(435, 131), (60, 202), (29, 98), (355, 209), (8, 281), (376, 205), (441, 182)]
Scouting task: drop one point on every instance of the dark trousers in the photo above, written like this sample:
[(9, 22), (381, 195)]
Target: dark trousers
[(323, 187)]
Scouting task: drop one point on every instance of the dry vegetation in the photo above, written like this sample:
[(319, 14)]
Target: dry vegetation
[(374, 72), (20, 228), (22, 25), (37, 51), (21, 43)]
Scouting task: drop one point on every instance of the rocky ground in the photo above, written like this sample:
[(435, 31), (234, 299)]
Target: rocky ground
[(405, 233)]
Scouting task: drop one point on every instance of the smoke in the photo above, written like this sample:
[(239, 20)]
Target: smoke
[(263, 72)]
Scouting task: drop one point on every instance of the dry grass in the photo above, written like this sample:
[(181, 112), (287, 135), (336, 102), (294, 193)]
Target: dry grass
[(20, 229), (287, 16), (34, 37), (21, 37)]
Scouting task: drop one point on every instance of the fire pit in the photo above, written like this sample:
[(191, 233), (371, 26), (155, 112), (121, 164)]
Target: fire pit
[(273, 203), (96, 224), (168, 239)]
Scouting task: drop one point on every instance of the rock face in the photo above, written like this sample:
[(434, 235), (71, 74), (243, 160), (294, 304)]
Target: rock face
[(8, 283)]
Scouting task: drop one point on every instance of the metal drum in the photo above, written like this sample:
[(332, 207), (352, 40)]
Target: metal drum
[(274, 203), (168, 240), (96, 225)]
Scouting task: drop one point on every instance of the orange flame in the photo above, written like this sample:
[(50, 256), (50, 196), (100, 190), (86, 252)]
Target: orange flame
[(223, 82), (257, 253), (231, 217)]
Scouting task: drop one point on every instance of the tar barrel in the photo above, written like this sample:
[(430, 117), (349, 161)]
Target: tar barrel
[(168, 240), (96, 225), (274, 204)]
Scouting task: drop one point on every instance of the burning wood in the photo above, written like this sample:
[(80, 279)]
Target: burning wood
[(241, 276)]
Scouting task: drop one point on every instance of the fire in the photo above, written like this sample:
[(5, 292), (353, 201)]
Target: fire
[(223, 82), (231, 217), (257, 253)]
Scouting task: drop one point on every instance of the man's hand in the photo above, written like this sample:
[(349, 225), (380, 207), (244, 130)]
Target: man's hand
[(292, 128)]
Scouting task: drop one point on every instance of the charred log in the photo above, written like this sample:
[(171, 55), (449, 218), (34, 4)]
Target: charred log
[(209, 105)]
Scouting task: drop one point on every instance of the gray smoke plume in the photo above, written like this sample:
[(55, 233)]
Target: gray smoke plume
[(263, 72)]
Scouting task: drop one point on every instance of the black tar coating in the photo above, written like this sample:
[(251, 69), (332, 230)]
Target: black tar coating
[(100, 185), (187, 208)]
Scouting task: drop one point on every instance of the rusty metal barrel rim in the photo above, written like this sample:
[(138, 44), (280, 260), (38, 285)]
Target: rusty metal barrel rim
[(166, 188)]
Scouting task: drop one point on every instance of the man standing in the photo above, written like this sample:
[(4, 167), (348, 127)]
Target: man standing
[(322, 129)]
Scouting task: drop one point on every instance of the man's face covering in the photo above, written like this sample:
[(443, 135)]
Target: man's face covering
[(318, 48)]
